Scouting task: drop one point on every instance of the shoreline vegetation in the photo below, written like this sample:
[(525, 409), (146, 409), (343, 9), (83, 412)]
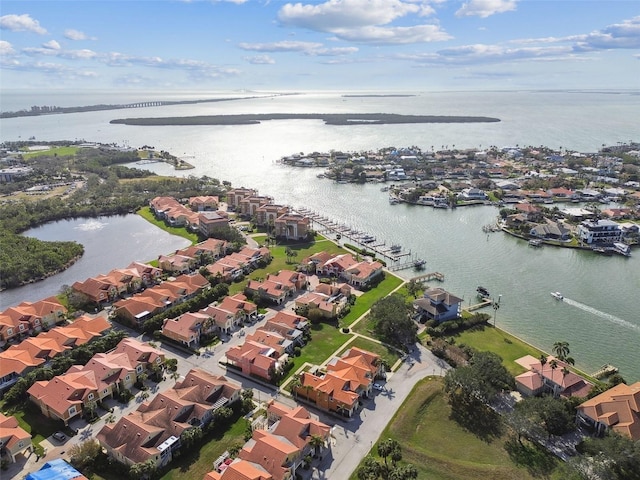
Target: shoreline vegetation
[(328, 118)]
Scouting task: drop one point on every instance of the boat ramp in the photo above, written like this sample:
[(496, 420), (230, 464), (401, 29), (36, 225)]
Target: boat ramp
[(396, 257)]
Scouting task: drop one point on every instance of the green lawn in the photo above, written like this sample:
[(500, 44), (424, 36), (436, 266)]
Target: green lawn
[(498, 341), (146, 213), (195, 463), (442, 450), (325, 339), (59, 151), (367, 299), (390, 355), (33, 421)]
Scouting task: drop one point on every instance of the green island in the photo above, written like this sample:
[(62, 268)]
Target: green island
[(328, 118)]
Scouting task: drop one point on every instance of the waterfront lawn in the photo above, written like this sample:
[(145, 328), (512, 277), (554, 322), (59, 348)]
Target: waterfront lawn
[(443, 450), (367, 299), (145, 212), (389, 354), (498, 341)]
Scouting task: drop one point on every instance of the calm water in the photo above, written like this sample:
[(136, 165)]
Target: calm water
[(600, 318), (109, 242)]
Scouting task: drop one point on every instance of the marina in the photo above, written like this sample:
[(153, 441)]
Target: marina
[(399, 259)]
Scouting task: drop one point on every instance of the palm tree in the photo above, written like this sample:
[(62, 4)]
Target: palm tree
[(561, 350), (553, 364), (316, 442), (543, 361), (294, 384)]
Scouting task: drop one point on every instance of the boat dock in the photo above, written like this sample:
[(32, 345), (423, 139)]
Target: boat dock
[(605, 371), (484, 303), (396, 257), (429, 276)]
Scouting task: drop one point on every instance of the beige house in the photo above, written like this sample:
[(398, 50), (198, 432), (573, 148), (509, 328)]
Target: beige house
[(13, 439)]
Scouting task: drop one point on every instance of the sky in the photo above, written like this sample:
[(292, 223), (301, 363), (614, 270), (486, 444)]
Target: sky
[(336, 45)]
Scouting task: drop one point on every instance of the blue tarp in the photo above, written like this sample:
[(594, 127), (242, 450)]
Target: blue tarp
[(55, 470)]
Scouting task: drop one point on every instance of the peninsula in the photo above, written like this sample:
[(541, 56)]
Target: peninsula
[(328, 118)]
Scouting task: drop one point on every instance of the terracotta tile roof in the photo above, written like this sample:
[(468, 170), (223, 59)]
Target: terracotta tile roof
[(138, 351), (240, 470), (184, 325), (67, 390), (238, 303), (11, 433), (272, 452), (618, 408), (570, 383), (15, 360), (291, 319)]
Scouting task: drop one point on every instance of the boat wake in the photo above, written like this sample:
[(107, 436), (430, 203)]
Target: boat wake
[(607, 316)]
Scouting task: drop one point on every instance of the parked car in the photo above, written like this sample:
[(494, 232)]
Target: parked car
[(378, 387), (59, 436)]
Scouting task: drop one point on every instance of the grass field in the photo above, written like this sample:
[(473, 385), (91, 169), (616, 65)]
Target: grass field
[(498, 341), (441, 449), (367, 299), (59, 151), (325, 339)]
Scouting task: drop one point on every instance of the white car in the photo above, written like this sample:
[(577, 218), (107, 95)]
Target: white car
[(378, 387)]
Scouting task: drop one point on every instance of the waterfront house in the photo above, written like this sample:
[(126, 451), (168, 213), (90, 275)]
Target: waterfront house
[(599, 232), (336, 265), (235, 195), (266, 215), (149, 275), (97, 291), (617, 409), (438, 304), (469, 194), (249, 205), (551, 230), (14, 440), (363, 274), (292, 226), (153, 432), (551, 376)]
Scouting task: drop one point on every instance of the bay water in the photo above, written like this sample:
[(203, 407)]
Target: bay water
[(600, 317)]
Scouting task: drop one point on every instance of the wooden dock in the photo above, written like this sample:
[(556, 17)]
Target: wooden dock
[(484, 303), (429, 276)]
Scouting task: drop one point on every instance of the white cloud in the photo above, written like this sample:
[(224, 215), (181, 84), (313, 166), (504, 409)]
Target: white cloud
[(6, 48), (21, 23), (485, 8), (73, 34), (339, 14), (394, 35), (260, 60), (620, 35), (363, 21), (284, 46), (51, 44)]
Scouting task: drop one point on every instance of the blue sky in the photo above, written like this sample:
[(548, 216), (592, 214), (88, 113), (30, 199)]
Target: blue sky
[(367, 45)]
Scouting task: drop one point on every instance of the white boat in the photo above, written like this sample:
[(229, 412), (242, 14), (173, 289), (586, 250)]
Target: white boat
[(622, 249), (557, 295)]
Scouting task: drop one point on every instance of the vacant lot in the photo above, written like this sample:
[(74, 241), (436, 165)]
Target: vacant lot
[(442, 449)]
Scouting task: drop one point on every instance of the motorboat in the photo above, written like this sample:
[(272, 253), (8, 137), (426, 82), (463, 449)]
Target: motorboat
[(557, 295), (483, 292), (419, 264), (395, 248)]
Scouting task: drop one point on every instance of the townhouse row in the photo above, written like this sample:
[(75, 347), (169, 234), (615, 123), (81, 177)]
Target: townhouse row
[(18, 360), (83, 387)]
